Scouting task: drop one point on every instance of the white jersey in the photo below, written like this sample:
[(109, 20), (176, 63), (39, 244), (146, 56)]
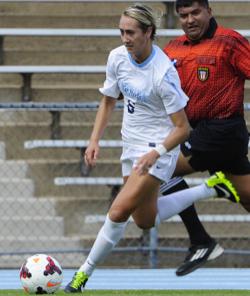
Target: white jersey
[(151, 92)]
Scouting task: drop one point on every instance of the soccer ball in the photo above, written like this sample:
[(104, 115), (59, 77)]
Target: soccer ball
[(41, 274)]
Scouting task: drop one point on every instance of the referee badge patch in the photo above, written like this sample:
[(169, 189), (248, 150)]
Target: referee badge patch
[(203, 73)]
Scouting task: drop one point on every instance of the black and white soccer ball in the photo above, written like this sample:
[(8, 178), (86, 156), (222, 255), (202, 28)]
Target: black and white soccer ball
[(41, 274)]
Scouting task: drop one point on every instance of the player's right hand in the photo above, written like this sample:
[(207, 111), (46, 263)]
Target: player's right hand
[(91, 154)]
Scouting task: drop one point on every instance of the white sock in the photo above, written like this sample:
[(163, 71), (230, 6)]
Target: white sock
[(174, 203), (108, 236)]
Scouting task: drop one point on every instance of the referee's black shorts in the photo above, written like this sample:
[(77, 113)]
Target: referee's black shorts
[(219, 145)]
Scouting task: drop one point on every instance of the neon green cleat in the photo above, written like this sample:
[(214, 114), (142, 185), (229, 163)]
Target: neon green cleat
[(223, 187), (77, 283)]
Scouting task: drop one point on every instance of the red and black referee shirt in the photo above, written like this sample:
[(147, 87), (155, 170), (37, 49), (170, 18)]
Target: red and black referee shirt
[(212, 72)]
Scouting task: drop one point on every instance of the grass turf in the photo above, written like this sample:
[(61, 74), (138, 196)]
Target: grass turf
[(141, 293)]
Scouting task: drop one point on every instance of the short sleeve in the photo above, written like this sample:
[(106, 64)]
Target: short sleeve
[(173, 97), (110, 87), (240, 57)]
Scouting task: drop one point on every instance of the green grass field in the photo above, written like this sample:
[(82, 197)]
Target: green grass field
[(142, 293)]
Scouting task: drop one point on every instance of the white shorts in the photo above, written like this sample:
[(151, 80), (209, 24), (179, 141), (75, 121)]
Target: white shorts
[(163, 169)]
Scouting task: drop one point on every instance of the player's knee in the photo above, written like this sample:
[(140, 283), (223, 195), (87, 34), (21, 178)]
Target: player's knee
[(144, 224), (118, 215)]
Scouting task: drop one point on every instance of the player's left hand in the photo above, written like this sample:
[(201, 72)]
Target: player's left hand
[(145, 162)]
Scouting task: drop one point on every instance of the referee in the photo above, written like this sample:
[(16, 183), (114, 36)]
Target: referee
[(213, 63)]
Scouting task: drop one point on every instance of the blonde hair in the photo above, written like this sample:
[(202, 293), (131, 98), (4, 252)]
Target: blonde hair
[(145, 16)]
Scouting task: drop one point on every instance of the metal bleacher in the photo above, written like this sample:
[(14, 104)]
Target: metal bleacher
[(28, 70)]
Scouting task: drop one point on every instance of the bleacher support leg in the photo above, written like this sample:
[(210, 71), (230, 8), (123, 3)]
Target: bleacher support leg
[(26, 90), (153, 244), (55, 125)]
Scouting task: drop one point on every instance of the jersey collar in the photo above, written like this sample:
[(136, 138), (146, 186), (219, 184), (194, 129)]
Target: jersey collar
[(145, 62)]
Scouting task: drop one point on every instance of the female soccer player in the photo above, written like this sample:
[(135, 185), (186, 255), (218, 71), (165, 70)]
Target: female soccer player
[(154, 124)]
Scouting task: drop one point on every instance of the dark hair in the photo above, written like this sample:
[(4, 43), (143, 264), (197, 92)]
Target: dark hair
[(188, 3)]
